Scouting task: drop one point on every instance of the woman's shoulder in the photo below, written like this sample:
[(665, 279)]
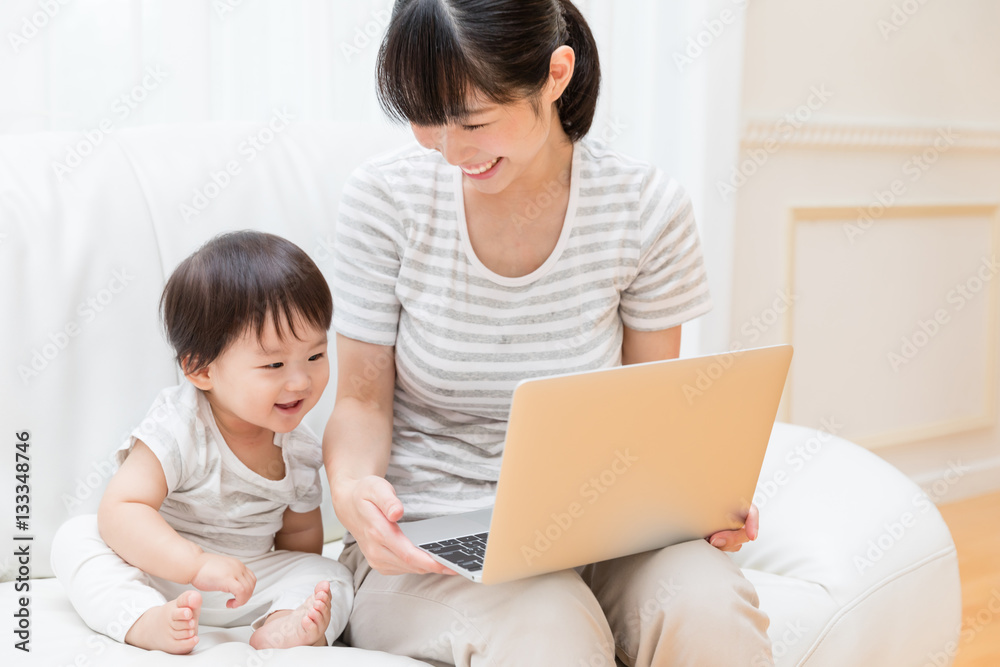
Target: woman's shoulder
[(408, 164), (606, 169), (601, 160)]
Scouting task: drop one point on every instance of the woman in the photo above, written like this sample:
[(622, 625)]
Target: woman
[(507, 247)]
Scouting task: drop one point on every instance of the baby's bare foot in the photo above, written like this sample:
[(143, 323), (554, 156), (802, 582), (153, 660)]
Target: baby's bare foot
[(304, 626), (172, 627)]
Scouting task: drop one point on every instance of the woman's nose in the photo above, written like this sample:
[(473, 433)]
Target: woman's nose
[(446, 140)]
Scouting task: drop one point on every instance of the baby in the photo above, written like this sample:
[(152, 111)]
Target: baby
[(221, 469)]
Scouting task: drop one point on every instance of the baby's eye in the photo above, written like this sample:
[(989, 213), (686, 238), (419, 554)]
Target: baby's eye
[(316, 356), (473, 128), (276, 364)]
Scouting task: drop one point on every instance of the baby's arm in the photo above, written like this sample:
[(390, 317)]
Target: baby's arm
[(130, 523), (300, 531)]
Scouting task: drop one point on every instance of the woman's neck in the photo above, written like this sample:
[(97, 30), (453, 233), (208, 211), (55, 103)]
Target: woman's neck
[(552, 165)]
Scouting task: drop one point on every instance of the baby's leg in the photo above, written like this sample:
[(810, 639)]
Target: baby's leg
[(311, 599), (117, 599)]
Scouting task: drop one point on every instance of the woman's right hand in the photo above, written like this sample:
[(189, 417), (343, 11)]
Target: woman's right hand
[(369, 509)]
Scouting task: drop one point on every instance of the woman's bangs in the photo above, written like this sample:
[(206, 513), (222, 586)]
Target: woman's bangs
[(424, 76)]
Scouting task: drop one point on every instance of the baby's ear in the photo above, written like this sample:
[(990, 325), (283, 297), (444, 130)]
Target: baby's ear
[(200, 378)]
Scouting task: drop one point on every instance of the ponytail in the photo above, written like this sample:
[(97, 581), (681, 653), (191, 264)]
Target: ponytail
[(579, 101)]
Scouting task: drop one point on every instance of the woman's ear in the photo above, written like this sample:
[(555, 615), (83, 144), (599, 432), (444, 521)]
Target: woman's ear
[(561, 67)]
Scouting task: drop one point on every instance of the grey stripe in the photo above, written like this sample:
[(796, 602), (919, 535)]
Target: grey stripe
[(611, 207), (485, 358), (666, 312), (343, 241), (604, 190)]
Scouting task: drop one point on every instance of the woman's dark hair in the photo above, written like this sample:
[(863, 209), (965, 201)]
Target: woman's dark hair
[(436, 53), (231, 285)]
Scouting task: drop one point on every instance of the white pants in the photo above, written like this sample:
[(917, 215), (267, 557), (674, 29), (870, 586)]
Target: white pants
[(110, 595)]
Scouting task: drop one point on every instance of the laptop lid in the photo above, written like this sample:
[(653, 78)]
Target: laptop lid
[(607, 463)]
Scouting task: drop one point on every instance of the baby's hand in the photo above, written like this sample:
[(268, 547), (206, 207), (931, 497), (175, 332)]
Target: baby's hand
[(227, 574)]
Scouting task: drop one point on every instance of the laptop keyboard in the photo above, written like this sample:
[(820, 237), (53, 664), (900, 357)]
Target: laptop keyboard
[(466, 552)]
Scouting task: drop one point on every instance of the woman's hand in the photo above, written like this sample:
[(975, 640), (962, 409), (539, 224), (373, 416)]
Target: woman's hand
[(733, 540), (227, 574), (369, 509)]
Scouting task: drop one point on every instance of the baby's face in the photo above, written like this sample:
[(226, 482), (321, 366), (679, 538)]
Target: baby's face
[(269, 383)]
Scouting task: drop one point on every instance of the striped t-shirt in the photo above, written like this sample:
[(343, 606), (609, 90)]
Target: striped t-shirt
[(406, 275)]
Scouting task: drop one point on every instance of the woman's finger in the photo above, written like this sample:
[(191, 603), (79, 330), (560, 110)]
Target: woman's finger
[(752, 524), (380, 493)]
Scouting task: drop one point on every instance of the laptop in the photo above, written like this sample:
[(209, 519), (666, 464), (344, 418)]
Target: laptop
[(608, 463)]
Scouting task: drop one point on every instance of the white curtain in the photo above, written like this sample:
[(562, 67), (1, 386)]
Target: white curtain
[(671, 81)]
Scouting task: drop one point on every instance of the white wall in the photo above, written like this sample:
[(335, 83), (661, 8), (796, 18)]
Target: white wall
[(905, 111)]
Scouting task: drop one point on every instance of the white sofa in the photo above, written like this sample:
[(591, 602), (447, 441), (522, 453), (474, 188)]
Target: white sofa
[(854, 565)]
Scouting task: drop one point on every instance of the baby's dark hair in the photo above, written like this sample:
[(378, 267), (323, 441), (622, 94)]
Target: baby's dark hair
[(438, 52), (231, 285)]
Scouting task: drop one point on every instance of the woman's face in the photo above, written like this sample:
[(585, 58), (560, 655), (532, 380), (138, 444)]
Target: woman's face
[(496, 144)]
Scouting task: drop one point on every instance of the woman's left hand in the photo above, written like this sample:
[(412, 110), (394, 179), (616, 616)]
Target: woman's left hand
[(733, 540)]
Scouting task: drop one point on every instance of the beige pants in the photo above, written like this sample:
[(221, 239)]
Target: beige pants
[(687, 604)]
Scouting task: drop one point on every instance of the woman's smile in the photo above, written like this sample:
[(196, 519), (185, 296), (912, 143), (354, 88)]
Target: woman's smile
[(484, 170)]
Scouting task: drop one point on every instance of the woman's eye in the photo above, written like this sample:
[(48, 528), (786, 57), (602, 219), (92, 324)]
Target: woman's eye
[(316, 356), (277, 364)]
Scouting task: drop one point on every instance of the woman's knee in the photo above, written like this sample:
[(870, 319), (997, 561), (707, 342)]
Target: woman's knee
[(552, 619), (675, 599)]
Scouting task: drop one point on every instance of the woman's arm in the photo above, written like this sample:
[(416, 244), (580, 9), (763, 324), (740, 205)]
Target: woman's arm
[(356, 447), (130, 523), (642, 346), (300, 531)]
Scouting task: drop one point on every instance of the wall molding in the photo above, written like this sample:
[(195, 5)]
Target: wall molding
[(982, 477), (987, 417), (761, 133)]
